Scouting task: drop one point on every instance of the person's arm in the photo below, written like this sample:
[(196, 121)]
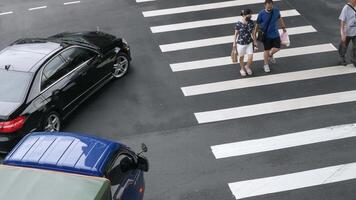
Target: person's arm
[(254, 34), (342, 31), (283, 25), (235, 37)]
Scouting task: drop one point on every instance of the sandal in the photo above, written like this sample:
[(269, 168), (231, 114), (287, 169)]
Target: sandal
[(248, 70)]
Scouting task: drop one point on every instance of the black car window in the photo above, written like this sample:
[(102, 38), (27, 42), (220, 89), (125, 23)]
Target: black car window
[(120, 168), (14, 85), (53, 71), (75, 56)]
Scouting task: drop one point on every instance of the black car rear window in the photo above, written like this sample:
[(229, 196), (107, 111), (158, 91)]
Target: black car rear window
[(13, 85)]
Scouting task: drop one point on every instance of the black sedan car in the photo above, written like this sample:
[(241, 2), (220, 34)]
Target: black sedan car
[(43, 80)]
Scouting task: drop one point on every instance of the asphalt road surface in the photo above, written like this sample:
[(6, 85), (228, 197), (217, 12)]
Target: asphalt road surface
[(212, 134)]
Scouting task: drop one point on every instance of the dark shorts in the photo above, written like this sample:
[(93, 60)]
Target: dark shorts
[(269, 43)]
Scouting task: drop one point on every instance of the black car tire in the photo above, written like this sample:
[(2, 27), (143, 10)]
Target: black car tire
[(52, 122), (121, 65)]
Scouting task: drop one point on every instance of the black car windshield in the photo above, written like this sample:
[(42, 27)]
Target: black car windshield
[(13, 85)]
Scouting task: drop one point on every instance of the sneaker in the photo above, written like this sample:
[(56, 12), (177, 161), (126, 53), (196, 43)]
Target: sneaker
[(248, 70), (266, 68), (272, 59), (243, 73)]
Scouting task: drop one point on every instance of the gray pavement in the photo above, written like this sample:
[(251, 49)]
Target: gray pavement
[(148, 104)]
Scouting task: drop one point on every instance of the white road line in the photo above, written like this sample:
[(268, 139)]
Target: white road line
[(6, 13), (224, 40), (72, 2), (275, 107), (267, 80), (274, 184), (214, 62), (284, 141), (201, 7), (140, 1), (211, 22), (37, 8)]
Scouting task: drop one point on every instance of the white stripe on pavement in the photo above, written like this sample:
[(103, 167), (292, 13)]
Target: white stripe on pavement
[(223, 40), (140, 1), (72, 2), (37, 8), (209, 6), (214, 62), (269, 185), (6, 13), (284, 141), (211, 22), (267, 80), (275, 107)]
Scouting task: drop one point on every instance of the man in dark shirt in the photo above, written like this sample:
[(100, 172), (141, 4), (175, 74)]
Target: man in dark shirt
[(267, 21)]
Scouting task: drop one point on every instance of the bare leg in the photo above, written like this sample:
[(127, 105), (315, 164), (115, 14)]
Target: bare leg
[(242, 62), (265, 57)]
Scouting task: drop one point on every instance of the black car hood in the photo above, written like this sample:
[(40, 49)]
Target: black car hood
[(7, 108)]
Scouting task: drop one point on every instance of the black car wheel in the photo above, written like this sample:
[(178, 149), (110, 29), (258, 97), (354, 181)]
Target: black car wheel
[(121, 65), (52, 122)]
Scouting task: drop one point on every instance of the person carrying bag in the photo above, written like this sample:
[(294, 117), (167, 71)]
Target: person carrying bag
[(243, 42)]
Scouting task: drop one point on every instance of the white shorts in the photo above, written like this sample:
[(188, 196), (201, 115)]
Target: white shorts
[(245, 49)]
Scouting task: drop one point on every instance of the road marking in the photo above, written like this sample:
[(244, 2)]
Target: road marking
[(214, 62), (72, 2), (37, 8), (267, 80), (281, 183), (211, 22), (6, 13), (284, 141), (201, 7), (224, 40), (140, 1), (275, 107)]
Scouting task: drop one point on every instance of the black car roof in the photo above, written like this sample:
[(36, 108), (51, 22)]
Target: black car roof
[(24, 56)]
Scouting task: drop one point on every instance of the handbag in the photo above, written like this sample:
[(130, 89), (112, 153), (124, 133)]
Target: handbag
[(261, 35), (285, 39), (234, 55)]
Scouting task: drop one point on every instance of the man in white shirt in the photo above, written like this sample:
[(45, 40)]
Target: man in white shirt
[(348, 31)]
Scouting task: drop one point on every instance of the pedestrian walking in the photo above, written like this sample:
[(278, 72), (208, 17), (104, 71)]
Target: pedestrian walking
[(267, 23), (348, 31), (243, 41)]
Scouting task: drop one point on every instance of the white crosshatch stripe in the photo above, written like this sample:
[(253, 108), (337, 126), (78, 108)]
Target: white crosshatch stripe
[(201, 7), (221, 61), (211, 22), (140, 1), (267, 80), (71, 2), (275, 107), (224, 40), (281, 183), (284, 141), (6, 13), (37, 8)]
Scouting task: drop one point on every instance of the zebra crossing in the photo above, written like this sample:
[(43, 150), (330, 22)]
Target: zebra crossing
[(273, 184)]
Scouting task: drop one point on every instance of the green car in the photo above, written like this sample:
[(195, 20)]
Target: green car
[(20, 183)]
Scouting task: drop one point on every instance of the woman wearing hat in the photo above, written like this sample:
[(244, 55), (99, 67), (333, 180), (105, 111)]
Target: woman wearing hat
[(243, 41)]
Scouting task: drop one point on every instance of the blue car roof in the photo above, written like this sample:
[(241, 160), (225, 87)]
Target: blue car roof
[(66, 152)]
